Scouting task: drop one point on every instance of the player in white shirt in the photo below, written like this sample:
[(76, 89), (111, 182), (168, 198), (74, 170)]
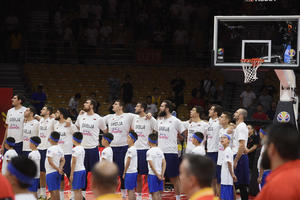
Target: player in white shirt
[(36, 157), (156, 166), (169, 128), (54, 164), (119, 125), (46, 127), (224, 121), (241, 162), (214, 113), (30, 129), (78, 173), (195, 124), (90, 124), (143, 127), (107, 153), (65, 142), (9, 154), (20, 173), (14, 123), (227, 174), (130, 167), (199, 149)]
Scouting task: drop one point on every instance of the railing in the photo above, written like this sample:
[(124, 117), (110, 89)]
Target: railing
[(50, 51)]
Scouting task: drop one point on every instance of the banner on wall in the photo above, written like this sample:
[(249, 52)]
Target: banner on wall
[(5, 105)]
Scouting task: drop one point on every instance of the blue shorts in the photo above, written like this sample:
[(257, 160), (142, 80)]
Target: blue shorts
[(172, 168), (130, 181), (218, 171), (79, 180), (25, 153), (242, 170), (91, 158), (42, 161), (142, 162), (264, 176), (213, 156), (226, 192), (53, 181), (119, 156), (154, 184), (35, 185), (67, 166), (18, 148)]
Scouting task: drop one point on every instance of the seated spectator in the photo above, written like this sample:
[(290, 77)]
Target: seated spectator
[(151, 107), (265, 100), (127, 89), (73, 103), (197, 101), (260, 114), (247, 97), (39, 98), (271, 112), (156, 97)]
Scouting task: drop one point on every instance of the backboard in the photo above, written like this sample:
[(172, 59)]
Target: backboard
[(272, 38)]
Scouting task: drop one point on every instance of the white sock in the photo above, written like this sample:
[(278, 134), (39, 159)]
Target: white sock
[(72, 195), (43, 192), (123, 191), (139, 196), (83, 193), (177, 197), (39, 193), (150, 196), (61, 195)]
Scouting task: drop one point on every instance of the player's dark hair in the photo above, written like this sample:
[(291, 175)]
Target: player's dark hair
[(49, 108), (36, 139), (153, 136), (121, 103), (285, 138), (64, 112), (143, 105), (29, 170), (199, 110), (20, 97), (55, 135), (78, 135), (169, 105), (109, 136), (32, 109), (228, 115), (134, 134), (217, 109), (11, 140), (202, 168)]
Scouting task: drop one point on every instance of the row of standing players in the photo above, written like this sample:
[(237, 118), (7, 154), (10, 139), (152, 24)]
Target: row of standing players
[(168, 128)]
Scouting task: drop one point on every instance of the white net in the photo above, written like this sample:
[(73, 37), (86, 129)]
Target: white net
[(250, 67)]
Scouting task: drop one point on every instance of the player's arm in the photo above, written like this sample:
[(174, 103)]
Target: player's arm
[(240, 152), (62, 162), (164, 165), (260, 173), (153, 169), (52, 164), (251, 149), (37, 117), (73, 164), (231, 171), (128, 160), (5, 136)]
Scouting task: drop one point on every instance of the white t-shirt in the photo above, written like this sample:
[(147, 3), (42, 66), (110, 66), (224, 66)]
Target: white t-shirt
[(119, 126), (131, 153), (247, 98), (66, 135), (143, 127), (168, 128), (156, 155), (192, 128), (30, 129), (27, 196), (9, 154), (226, 178), (213, 135), (45, 129), (15, 122), (199, 150), (79, 153), (36, 157), (90, 126), (107, 154), (240, 133), (220, 146), (56, 153)]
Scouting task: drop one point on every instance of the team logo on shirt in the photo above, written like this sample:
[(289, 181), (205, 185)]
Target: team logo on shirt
[(283, 117)]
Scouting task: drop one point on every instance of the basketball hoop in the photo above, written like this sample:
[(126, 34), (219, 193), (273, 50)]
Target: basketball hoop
[(250, 67)]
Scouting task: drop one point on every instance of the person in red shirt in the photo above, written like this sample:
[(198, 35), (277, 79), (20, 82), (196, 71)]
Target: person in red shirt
[(6, 191), (281, 155), (196, 175), (259, 114)]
